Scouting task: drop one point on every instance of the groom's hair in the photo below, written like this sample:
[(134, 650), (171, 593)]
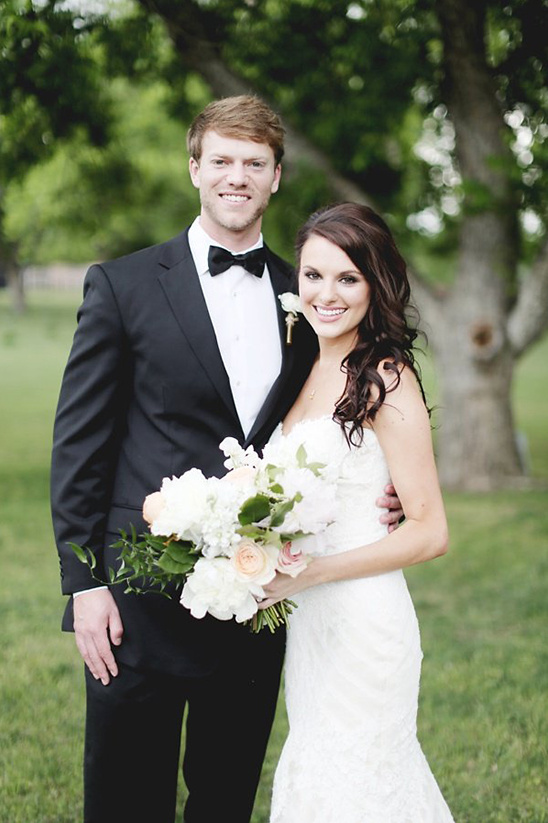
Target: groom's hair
[(245, 117)]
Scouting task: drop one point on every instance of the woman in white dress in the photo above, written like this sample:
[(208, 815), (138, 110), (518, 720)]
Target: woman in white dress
[(354, 656)]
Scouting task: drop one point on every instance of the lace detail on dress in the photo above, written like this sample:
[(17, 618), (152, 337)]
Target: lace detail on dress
[(352, 670)]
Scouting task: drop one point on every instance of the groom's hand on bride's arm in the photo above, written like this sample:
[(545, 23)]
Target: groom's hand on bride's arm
[(391, 502), (97, 624)]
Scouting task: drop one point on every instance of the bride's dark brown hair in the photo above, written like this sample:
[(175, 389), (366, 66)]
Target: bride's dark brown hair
[(385, 332)]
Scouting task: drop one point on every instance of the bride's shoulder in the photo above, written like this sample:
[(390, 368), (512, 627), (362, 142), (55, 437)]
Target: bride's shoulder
[(397, 378), (403, 400)]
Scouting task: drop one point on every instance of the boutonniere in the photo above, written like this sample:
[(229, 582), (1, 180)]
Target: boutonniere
[(291, 303)]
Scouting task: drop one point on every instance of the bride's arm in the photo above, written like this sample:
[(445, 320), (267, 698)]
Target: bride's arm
[(403, 428)]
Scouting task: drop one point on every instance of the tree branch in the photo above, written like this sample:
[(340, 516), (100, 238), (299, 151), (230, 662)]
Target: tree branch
[(529, 318)]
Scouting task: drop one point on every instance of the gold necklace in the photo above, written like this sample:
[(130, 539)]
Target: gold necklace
[(311, 394)]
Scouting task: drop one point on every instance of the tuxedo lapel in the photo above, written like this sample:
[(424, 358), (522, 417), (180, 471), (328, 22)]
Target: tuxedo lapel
[(281, 282), (179, 280)]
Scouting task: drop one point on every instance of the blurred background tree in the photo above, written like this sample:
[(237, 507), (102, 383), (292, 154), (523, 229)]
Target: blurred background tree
[(433, 111), (50, 90)]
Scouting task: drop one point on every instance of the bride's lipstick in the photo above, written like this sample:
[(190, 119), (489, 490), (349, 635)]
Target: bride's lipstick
[(329, 315)]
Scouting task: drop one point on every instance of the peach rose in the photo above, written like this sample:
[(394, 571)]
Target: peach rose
[(291, 561), (153, 506), (241, 476), (254, 563)]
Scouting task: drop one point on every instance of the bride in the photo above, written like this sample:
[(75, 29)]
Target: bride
[(353, 656)]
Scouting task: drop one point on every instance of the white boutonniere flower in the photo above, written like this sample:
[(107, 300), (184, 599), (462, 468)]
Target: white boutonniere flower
[(291, 303)]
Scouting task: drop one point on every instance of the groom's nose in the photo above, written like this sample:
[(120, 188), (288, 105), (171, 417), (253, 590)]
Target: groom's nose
[(237, 174)]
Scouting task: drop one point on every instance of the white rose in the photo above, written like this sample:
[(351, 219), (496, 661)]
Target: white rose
[(290, 302)]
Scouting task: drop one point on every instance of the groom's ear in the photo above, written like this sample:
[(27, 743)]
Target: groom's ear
[(194, 170), (276, 182)]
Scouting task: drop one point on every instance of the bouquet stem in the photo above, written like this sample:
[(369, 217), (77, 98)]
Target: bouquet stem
[(273, 617)]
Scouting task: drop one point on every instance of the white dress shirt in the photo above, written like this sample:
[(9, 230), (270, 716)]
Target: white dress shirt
[(244, 314)]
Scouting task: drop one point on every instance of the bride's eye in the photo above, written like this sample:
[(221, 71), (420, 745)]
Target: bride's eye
[(311, 275)]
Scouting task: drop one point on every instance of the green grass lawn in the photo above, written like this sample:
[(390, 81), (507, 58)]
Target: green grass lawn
[(484, 709)]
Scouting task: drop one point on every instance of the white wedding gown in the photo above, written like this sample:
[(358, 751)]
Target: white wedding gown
[(352, 670)]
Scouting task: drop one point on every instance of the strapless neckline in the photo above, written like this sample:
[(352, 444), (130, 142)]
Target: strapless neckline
[(309, 420)]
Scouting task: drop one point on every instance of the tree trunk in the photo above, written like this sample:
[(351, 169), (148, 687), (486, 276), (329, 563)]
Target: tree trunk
[(477, 446), (14, 278)]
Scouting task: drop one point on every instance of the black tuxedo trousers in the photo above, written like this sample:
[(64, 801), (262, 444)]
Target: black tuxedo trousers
[(145, 395)]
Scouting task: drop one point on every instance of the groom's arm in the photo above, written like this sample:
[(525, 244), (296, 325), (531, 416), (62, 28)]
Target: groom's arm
[(85, 453), (87, 424)]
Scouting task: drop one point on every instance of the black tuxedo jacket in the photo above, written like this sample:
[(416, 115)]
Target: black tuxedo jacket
[(145, 395)]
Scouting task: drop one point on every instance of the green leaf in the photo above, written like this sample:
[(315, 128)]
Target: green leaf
[(168, 564), (80, 553), (279, 512), (301, 456), (179, 551), (84, 555), (254, 509)]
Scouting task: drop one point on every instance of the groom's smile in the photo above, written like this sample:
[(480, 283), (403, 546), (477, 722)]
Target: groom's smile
[(235, 198)]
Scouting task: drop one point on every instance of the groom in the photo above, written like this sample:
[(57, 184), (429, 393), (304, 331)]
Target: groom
[(177, 347)]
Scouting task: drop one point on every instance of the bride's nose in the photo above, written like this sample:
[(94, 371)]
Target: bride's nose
[(328, 292)]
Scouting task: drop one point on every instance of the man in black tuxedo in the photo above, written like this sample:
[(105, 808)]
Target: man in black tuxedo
[(177, 347)]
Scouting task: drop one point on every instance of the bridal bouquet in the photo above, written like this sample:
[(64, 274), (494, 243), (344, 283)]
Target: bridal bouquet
[(225, 538)]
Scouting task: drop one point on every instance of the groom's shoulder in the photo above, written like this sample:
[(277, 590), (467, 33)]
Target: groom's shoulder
[(145, 262)]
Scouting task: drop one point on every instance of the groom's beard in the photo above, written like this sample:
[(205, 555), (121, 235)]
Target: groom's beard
[(219, 213)]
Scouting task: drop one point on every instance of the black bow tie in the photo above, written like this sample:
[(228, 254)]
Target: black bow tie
[(220, 260)]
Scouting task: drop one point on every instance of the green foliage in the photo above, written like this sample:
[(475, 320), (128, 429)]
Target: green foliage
[(50, 83), (330, 73), (89, 203)]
